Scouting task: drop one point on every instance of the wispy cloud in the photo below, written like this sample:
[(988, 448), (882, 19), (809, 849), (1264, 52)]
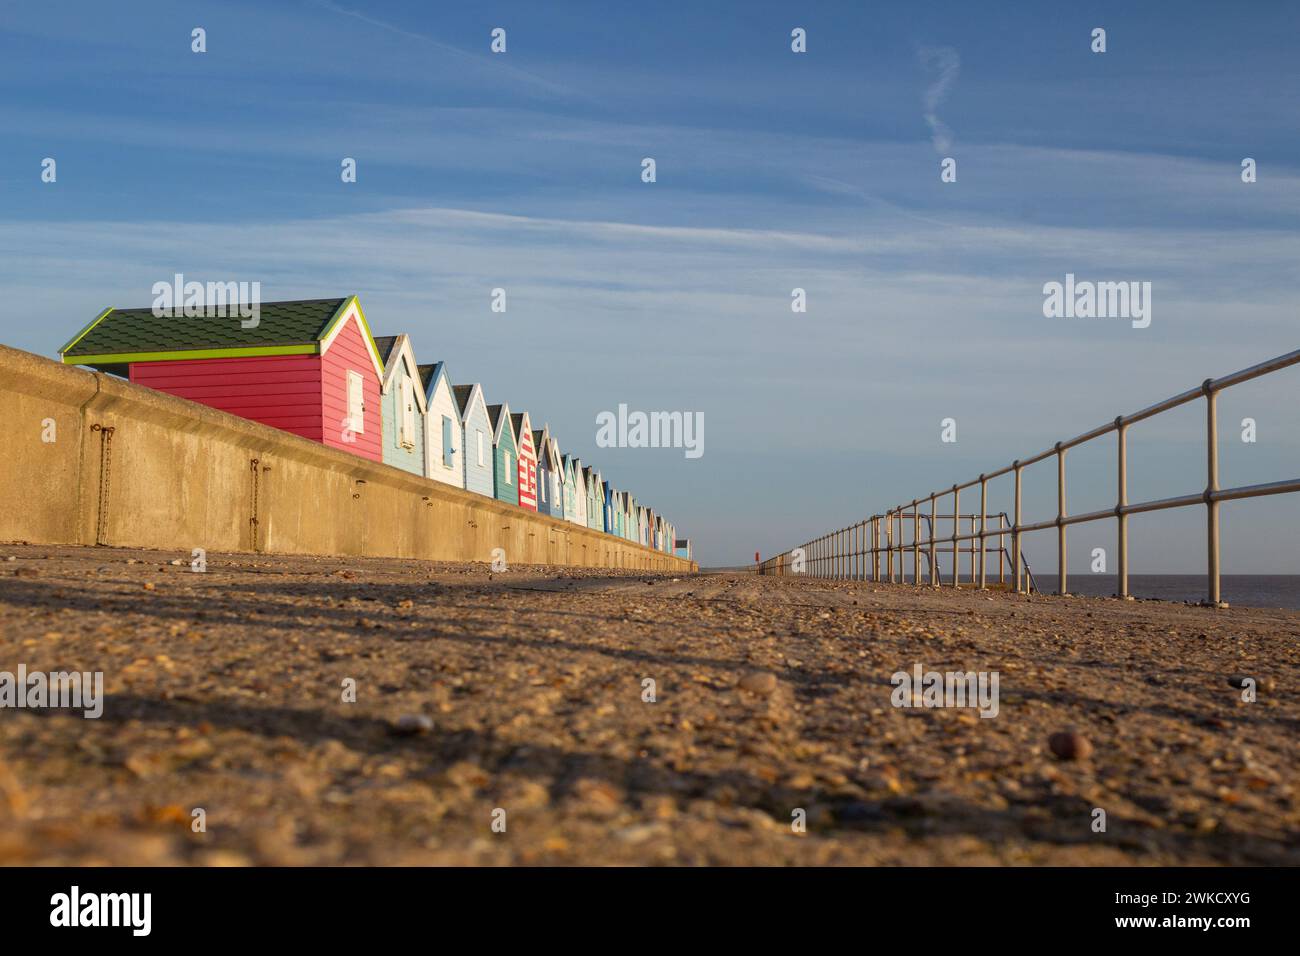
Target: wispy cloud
[(538, 83), (944, 62)]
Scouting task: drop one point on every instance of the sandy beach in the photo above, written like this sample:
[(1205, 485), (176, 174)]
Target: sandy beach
[(525, 692)]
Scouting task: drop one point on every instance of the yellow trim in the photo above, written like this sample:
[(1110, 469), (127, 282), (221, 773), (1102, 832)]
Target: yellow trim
[(190, 354), (336, 321), (336, 318), (82, 334)]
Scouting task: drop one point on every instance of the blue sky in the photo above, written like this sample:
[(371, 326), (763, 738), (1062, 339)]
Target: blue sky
[(775, 170)]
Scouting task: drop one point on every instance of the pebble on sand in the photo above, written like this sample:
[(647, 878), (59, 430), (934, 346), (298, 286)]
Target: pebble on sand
[(409, 725), (759, 682), (1070, 745)]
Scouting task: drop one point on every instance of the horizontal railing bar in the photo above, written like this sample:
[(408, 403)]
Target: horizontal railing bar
[(1255, 371), (1257, 491)]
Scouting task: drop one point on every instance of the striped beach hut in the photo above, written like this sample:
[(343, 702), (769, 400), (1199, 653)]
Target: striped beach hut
[(442, 429), (522, 427), (309, 366), (505, 458), (476, 440)]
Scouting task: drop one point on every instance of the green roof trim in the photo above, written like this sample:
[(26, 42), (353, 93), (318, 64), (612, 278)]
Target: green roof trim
[(284, 328), (177, 356), (86, 328)]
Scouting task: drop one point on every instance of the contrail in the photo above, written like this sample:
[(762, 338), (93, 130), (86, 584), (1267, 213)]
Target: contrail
[(945, 62)]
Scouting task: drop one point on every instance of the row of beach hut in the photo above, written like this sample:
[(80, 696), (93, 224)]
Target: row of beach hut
[(313, 368)]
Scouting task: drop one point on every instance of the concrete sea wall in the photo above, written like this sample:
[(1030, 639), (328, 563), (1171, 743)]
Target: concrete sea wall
[(87, 458)]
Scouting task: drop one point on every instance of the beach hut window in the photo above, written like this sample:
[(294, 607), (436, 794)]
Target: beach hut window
[(505, 456), (447, 450), (480, 446)]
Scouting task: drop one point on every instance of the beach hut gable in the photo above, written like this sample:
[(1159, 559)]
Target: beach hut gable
[(477, 449), (404, 405), (521, 427), (505, 454), (443, 430)]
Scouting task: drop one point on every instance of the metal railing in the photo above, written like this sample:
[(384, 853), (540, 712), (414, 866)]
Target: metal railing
[(851, 552)]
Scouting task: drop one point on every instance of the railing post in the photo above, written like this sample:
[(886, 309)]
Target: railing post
[(862, 550), (889, 546), (1121, 518), (902, 548), (1016, 574), (889, 550), (916, 545), (849, 571), (1061, 583), (873, 553), (898, 545), (1002, 548), (1211, 486), (956, 530), (857, 551), (875, 549), (984, 507), (933, 526), (882, 546), (896, 572)]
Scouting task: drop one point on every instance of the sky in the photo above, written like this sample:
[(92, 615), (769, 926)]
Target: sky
[(774, 170)]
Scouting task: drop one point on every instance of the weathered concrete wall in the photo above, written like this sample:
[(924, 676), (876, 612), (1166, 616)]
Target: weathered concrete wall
[(134, 467)]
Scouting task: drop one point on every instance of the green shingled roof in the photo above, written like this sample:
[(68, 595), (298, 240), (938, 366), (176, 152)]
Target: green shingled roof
[(137, 334)]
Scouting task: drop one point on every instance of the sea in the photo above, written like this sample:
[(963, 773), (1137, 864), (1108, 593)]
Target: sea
[(1239, 590)]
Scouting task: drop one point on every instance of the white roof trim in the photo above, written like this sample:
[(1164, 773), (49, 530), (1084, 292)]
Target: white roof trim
[(353, 314), (404, 351)]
